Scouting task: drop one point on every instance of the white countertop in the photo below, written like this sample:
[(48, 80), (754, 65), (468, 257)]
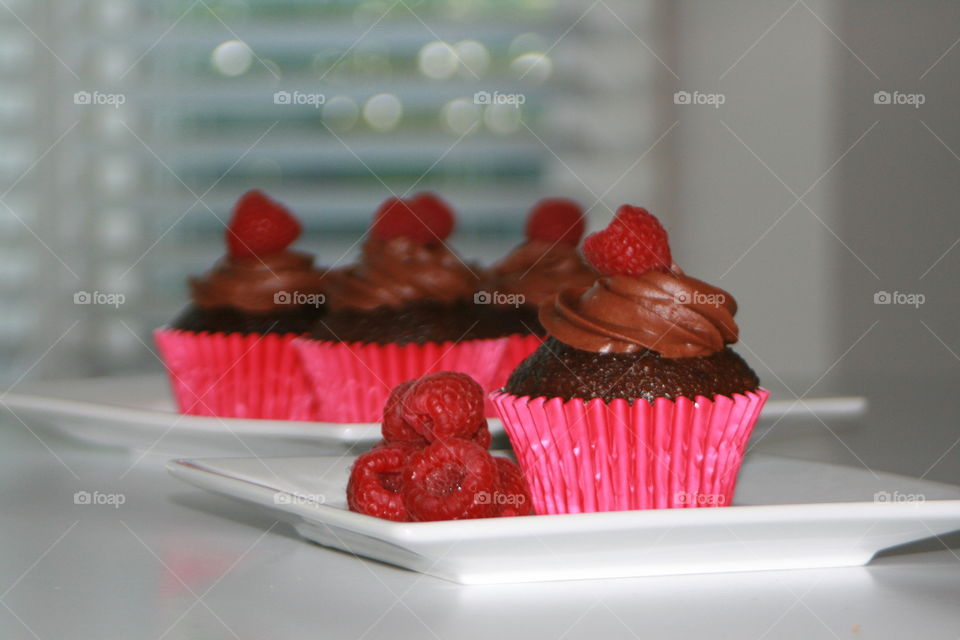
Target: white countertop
[(175, 562)]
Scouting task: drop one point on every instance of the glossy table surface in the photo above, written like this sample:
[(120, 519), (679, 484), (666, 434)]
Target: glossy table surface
[(160, 559)]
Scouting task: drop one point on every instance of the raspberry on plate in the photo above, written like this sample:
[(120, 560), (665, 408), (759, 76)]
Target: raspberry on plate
[(555, 220), (513, 498), (375, 481), (260, 226), (444, 405), (393, 426), (451, 480), (483, 436), (632, 244)]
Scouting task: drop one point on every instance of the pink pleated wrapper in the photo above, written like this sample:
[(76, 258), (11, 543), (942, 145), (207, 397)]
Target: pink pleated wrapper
[(351, 380), (585, 456), (236, 375)]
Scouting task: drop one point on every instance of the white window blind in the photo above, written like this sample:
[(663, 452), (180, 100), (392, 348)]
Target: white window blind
[(329, 106)]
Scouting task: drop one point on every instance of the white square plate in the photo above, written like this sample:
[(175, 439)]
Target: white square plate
[(787, 514), (138, 413)]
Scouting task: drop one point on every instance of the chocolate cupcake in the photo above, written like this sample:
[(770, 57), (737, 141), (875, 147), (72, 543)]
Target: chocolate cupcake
[(516, 286), (230, 352), (634, 400), (403, 311)]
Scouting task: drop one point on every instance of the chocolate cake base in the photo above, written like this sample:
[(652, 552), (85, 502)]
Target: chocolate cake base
[(297, 320), (415, 322), (556, 369), (506, 321)]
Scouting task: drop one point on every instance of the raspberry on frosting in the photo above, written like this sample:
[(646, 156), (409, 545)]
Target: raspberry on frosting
[(260, 226), (435, 213), (632, 244), (423, 218), (555, 220)]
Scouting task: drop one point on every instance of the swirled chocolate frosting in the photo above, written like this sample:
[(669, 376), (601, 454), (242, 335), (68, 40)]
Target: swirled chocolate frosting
[(395, 271), (251, 283), (537, 269), (670, 313)]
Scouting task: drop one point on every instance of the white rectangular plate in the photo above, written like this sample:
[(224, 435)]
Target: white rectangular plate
[(788, 514), (137, 412)]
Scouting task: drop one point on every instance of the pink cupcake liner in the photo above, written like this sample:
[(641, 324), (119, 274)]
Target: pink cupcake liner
[(584, 456), (516, 350), (236, 375), (351, 380)]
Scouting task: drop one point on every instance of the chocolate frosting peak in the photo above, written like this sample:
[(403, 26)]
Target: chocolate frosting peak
[(250, 283), (670, 313), (537, 269), (395, 271)]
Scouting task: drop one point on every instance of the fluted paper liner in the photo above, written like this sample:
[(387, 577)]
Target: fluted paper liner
[(351, 380), (236, 375), (585, 456)]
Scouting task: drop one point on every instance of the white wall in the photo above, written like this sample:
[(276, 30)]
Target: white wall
[(731, 226)]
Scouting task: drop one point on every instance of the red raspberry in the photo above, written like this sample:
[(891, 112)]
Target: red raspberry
[(514, 497), (482, 437), (375, 481), (444, 405), (451, 480), (393, 426), (260, 226), (555, 220), (425, 218), (633, 243), (435, 213)]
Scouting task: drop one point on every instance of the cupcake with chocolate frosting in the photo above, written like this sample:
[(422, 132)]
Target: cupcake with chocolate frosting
[(546, 262), (404, 310), (635, 399), (230, 352)]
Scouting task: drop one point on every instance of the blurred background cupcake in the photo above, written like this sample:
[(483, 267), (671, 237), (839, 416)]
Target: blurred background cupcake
[(229, 353), (530, 274), (634, 400), (404, 310)]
